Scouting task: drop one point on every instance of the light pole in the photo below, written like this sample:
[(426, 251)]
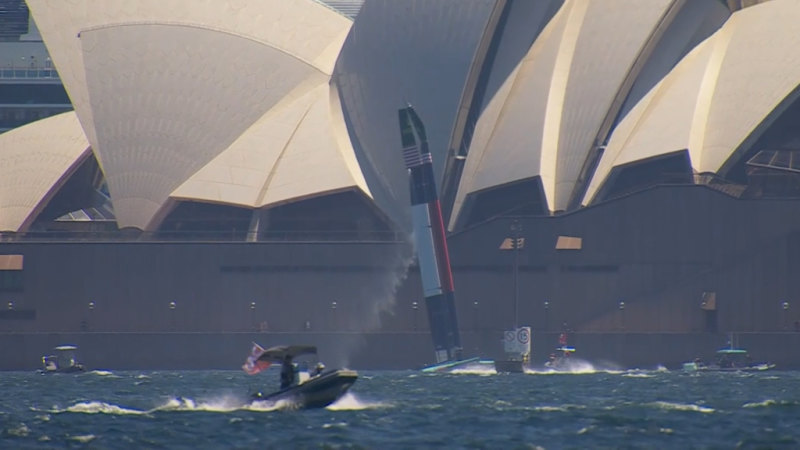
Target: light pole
[(334, 305), (785, 306), (89, 321), (546, 312), (475, 319), (516, 228), (253, 315), (622, 313), (414, 309), (172, 306)]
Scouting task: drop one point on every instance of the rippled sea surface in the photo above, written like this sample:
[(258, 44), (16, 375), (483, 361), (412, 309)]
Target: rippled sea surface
[(471, 409)]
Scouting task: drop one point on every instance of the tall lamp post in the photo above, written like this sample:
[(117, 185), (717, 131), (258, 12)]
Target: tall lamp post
[(89, 320), (622, 313), (172, 306), (334, 305), (546, 312), (414, 309), (253, 315), (516, 228), (785, 306)]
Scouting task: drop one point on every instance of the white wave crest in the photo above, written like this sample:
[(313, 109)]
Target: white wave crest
[(349, 402), (221, 404), (475, 369), (102, 373), (83, 438), (682, 407), (574, 366), (637, 375), (19, 431), (268, 406), (100, 408), (765, 404), (548, 408)]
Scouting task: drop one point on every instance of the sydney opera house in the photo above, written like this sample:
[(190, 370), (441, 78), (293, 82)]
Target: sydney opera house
[(232, 172)]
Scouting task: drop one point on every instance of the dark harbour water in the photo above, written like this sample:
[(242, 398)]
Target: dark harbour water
[(593, 409)]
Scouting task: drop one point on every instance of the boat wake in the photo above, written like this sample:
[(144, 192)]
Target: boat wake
[(92, 407), (224, 404), (475, 369), (671, 406), (349, 402), (573, 366)]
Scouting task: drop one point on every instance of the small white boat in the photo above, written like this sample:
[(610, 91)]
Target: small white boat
[(729, 359), (562, 357), (63, 361)]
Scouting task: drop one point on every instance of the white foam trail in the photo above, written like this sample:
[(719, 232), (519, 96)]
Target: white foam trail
[(83, 438), (764, 404), (574, 366), (637, 374), (268, 406), (100, 408), (558, 408), (102, 373), (475, 369), (682, 407), (349, 402), (20, 431), (221, 404)]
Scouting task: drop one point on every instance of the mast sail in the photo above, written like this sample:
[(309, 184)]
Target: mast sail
[(430, 239)]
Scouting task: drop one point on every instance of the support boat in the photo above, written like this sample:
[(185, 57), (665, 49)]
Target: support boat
[(302, 387)]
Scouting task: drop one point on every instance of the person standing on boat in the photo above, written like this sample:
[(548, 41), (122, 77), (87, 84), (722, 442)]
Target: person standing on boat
[(287, 372)]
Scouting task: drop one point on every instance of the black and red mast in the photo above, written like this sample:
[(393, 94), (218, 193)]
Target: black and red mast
[(430, 239)]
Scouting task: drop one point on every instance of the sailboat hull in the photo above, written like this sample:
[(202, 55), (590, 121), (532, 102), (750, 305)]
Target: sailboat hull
[(509, 366)]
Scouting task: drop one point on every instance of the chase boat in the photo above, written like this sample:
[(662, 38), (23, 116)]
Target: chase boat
[(562, 358), (301, 387), (63, 361), (728, 360)]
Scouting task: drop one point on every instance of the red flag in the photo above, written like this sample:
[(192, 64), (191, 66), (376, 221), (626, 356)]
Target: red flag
[(252, 365)]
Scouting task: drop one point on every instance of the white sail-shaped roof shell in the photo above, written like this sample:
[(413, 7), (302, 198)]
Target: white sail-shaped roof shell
[(544, 119), (163, 87), (717, 96), (298, 149), (38, 158)]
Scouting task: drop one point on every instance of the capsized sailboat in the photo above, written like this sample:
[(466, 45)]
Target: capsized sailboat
[(302, 387), (431, 246)]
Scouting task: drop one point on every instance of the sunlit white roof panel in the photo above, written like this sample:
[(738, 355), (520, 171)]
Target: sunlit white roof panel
[(717, 96), (544, 120), (37, 159), (163, 87), (294, 151)]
